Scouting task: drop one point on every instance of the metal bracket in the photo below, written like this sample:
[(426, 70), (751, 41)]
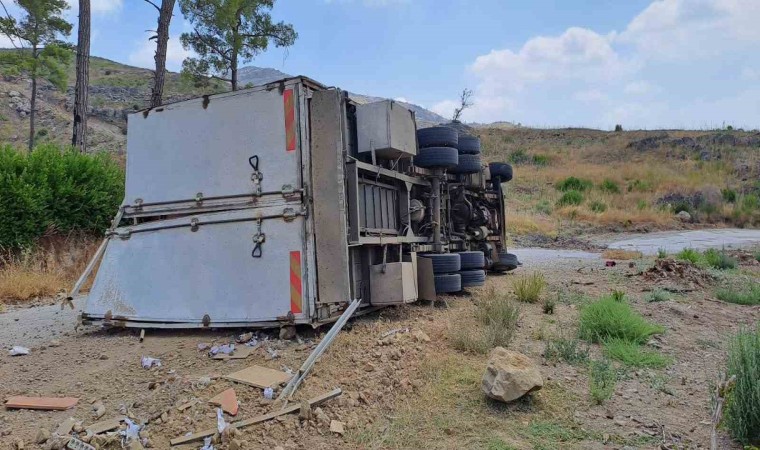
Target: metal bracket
[(288, 190), (194, 224), (138, 204), (289, 214), (256, 176), (258, 240), (199, 198), (123, 234)]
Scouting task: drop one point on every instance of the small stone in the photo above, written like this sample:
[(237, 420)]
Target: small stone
[(369, 367), (19, 444), (337, 427), (305, 413), (236, 444), (54, 343), (103, 357), (288, 332), (42, 436), (420, 336)]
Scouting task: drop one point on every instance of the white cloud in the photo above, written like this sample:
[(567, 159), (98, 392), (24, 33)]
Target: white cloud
[(143, 54), (686, 52), (370, 3), (445, 108), (98, 6)]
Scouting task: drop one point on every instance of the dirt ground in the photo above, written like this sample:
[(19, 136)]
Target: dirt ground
[(405, 391)]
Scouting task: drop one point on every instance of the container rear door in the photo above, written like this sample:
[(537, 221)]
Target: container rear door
[(177, 275), (204, 146)]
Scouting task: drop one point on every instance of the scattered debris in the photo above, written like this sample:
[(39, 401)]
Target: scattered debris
[(203, 346), (147, 362), (103, 426), (42, 436), (207, 444), (245, 337), (220, 423), (288, 332), (420, 336), (337, 427), (142, 334), (393, 332), (187, 405), (225, 349), (258, 419), (66, 426), (510, 375), (76, 444), (668, 269), (238, 353), (44, 403), (18, 350), (99, 409), (227, 400), (260, 377), (269, 393)]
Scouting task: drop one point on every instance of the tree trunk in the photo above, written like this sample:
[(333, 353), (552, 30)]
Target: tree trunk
[(162, 40), (233, 71), (33, 110), (79, 138)]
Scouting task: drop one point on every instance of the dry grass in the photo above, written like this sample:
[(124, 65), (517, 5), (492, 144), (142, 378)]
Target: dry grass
[(621, 255), (53, 266), (528, 288)]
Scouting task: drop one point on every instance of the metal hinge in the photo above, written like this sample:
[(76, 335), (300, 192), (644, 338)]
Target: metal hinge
[(258, 240), (289, 214), (256, 176)]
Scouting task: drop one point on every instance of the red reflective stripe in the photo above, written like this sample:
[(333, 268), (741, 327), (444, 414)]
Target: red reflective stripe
[(290, 120), (296, 291)]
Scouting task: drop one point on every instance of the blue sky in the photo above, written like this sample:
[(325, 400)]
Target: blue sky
[(640, 63)]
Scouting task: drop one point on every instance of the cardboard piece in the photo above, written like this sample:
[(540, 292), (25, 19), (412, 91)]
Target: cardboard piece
[(103, 426), (240, 352), (227, 400), (45, 403), (260, 377), (65, 427)]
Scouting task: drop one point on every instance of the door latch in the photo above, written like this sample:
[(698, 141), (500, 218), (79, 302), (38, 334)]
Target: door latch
[(256, 176), (258, 240)]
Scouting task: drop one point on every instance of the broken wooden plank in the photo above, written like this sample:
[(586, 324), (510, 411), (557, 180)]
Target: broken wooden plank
[(65, 427), (258, 376), (104, 425), (45, 403), (258, 419), (227, 400)]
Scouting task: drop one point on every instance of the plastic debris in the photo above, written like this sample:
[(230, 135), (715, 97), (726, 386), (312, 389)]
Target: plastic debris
[(147, 362), (132, 432), (224, 349), (287, 369), (269, 393), (203, 346), (245, 337), (207, 444), (76, 444), (252, 343), (272, 353), (202, 382), (220, 423), (18, 350)]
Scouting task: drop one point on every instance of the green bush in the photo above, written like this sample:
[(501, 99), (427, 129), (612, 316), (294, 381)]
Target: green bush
[(662, 253), (601, 379), (718, 259), (749, 295), (58, 190), (742, 408), (729, 195), (607, 318), (540, 160), (631, 354), (597, 206), (609, 186), (639, 186), (641, 205), (658, 295), (757, 255), (570, 198), (544, 207), (574, 184), (689, 254)]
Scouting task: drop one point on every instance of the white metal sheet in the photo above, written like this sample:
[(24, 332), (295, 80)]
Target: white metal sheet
[(203, 146), (180, 275)]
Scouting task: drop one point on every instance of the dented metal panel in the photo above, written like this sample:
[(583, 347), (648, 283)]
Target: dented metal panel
[(208, 276)]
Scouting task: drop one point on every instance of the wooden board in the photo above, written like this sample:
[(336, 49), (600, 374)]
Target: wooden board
[(104, 425), (260, 377), (258, 419), (46, 403)]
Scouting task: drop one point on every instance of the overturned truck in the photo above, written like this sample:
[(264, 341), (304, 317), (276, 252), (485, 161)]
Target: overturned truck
[(280, 204)]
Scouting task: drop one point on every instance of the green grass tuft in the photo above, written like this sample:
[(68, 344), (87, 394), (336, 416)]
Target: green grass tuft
[(658, 295), (749, 295), (689, 254), (608, 318), (632, 355), (497, 316), (662, 253), (609, 186), (570, 198), (742, 408), (574, 184), (528, 287), (569, 350), (597, 206), (602, 378), (719, 259)]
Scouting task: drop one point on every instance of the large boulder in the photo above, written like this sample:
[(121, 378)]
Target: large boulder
[(510, 375)]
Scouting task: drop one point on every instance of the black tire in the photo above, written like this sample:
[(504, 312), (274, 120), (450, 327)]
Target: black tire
[(506, 262), (467, 164), (443, 157), (472, 260), (502, 172), (473, 278), (445, 262), (437, 137), (469, 144), (448, 282)]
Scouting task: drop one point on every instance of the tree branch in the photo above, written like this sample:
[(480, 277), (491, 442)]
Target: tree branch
[(229, 80), (153, 4), (219, 51)]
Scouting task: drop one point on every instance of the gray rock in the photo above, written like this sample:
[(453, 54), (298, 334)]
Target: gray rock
[(510, 375), (684, 216)]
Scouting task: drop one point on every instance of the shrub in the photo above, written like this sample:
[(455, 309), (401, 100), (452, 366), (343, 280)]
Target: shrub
[(607, 318), (528, 287), (566, 349), (602, 379), (719, 259), (549, 304), (639, 186), (662, 253), (729, 195), (609, 186), (632, 355), (618, 296), (570, 198), (688, 254), (641, 205), (544, 207), (597, 206), (618, 128), (742, 408), (757, 256), (499, 317), (540, 160), (658, 295), (750, 202), (519, 156), (55, 189), (749, 295), (574, 184)]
